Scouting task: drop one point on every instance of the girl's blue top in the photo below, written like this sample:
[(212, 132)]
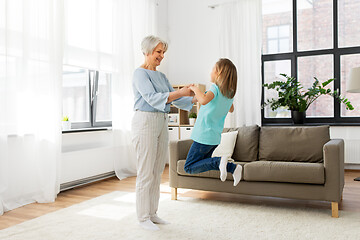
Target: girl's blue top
[(211, 118)]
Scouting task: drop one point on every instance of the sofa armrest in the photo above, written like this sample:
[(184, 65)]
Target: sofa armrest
[(334, 168), (178, 150)]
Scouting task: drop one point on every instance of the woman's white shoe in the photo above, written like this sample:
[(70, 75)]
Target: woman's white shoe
[(155, 219), (149, 225)]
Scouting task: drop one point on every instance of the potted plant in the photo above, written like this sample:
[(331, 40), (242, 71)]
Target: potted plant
[(192, 117), (66, 124), (294, 97)]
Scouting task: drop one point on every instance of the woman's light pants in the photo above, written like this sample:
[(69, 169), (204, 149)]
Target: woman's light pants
[(150, 138)]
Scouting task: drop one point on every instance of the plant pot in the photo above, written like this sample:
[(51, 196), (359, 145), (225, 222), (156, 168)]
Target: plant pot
[(192, 121), (66, 125), (298, 117)]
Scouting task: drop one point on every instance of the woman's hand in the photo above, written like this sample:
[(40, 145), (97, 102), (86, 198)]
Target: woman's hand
[(192, 93), (185, 91), (193, 88)]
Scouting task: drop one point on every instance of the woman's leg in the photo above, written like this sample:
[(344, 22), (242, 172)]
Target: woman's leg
[(161, 159), (146, 144)]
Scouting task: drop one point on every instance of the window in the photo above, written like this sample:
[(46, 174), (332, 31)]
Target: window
[(277, 26), (86, 97), (347, 62), (88, 45), (307, 39), (278, 39), (320, 66), (272, 70), (314, 24)]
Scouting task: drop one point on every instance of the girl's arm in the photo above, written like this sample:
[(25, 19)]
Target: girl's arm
[(231, 108), (202, 98)]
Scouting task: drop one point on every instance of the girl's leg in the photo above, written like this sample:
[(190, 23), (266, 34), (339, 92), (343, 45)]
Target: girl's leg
[(230, 167), (198, 160)]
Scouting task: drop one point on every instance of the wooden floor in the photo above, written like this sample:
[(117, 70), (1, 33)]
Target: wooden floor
[(351, 198)]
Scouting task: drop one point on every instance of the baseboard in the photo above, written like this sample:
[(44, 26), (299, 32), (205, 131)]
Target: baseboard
[(84, 181), (350, 166)]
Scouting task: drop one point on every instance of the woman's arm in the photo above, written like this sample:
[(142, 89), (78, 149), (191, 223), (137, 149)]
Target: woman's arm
[(182, 92), (202, 98), (231, 108)]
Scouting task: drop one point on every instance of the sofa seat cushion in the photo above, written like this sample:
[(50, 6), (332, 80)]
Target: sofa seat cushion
[(290, 172), (208, 174)]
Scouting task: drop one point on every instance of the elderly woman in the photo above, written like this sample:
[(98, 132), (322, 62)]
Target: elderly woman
[(153, 96)]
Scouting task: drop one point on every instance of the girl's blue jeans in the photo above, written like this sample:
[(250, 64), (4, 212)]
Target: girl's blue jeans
[(199, 159)]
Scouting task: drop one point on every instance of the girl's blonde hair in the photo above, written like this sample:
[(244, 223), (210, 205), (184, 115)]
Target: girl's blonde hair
[(226, 78)]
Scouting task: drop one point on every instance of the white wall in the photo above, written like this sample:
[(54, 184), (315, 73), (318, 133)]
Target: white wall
[(351, 136), (162, 29), (193, 41)]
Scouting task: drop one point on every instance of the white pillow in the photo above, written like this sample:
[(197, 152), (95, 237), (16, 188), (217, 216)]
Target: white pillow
[(227, 145)]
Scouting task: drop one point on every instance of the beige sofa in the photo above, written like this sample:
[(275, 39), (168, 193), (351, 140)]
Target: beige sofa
[(287, 162)]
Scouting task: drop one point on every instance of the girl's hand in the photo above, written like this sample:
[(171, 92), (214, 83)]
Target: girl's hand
[(194, 100), (194, 88), (231, 108), (201, 97)]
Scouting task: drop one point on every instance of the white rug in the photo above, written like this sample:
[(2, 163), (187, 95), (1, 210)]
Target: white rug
[(112, 216)]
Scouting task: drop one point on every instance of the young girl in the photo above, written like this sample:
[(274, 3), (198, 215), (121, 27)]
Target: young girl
[(216, 103)]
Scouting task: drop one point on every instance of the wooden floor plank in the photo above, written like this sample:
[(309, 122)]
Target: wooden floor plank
[(351, 197)]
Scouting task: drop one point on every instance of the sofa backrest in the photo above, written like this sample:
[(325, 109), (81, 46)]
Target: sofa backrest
[(247, 143), (295, 144)]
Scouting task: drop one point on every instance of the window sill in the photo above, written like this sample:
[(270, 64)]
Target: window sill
[(87, 130)]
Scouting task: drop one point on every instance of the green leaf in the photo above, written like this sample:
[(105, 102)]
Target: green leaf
[(292, 95)]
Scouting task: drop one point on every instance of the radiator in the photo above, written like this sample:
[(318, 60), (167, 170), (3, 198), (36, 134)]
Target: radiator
[(352, 151)]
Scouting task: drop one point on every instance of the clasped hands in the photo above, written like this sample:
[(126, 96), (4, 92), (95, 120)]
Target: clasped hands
[(189, 90)]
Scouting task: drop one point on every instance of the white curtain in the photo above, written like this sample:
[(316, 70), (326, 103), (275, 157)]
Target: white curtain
[(30, 101), (135, 19), (240, 41), (107, 37), (88, 33)]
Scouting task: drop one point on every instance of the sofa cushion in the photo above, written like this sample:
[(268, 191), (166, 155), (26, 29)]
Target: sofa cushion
[(208, 174), (227, 144), (290, 172), (293, 144), (247, 143)]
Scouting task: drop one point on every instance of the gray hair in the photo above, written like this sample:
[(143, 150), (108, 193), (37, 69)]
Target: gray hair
[(149, 43)]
